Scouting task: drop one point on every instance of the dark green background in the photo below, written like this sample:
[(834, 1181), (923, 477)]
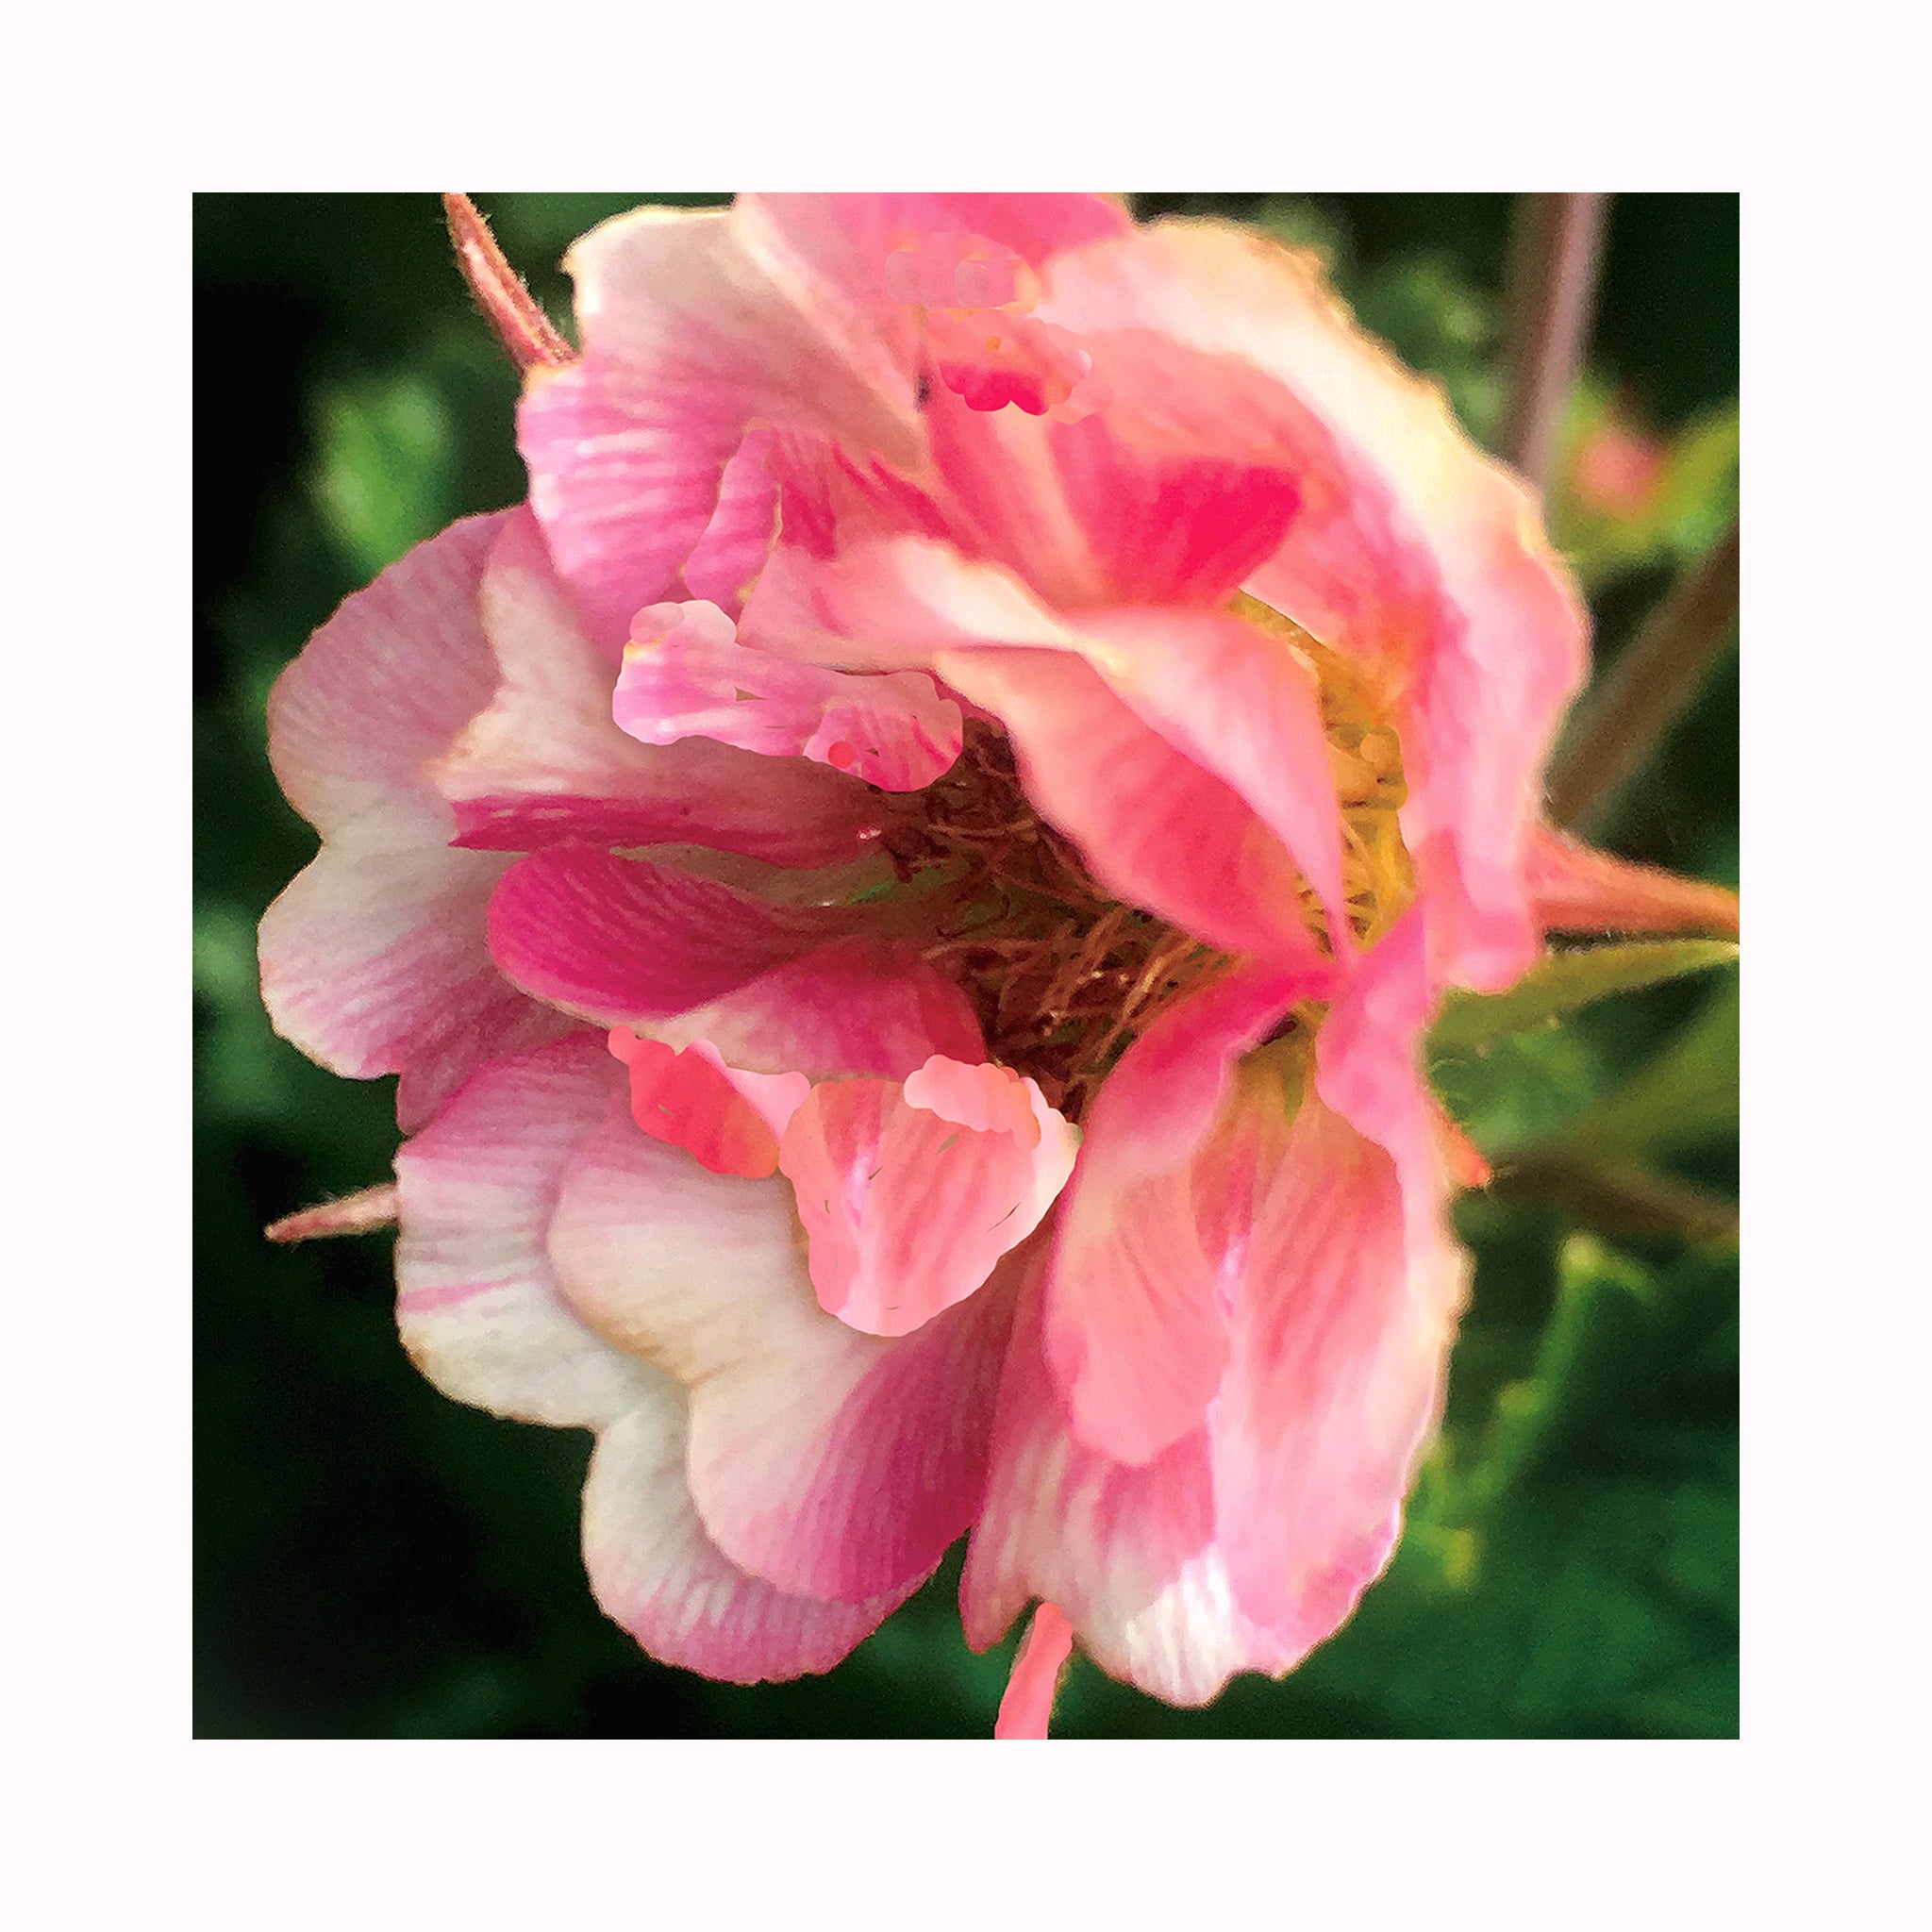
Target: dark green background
[(372, 1559)]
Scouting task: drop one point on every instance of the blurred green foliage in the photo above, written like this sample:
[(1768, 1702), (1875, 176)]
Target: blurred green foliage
[(374, 1559)]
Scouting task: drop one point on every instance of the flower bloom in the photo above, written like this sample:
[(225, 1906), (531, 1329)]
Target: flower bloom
[(904, 888)]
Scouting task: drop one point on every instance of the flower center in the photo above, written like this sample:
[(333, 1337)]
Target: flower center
[(1062, 975), (1365, 762)]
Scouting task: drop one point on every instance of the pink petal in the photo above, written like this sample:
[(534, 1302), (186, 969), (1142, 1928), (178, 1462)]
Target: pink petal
[(825, 1462), (1412, 553), (1197, 739), (858, 244), (689, 1099), (1127, 1554), (857, 1006), (1240, 1544), (726, 562), (907, 1203), (387, 682), (694, 327), (1158, 496), (1136, 1314), (654, 1570), (1340, 1334), (1027, 1706), (477, 1302), (1352, 1285), (686, 676), (373, 959), (545, 762), (1156, 830), (1242, 707), (620, 938)]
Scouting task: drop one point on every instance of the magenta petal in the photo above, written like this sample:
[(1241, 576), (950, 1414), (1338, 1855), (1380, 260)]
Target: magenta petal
[(686, 676), (907, 1203), (621, 938), (1156, 497)]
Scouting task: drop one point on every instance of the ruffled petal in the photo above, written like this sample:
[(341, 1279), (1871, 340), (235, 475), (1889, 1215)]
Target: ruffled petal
[(686, 676), (547, 762), (1319, 1209), (621, 938), (388, 682), (857, 1006), (726, 559), (1104, 707), (869, 246), (1127, 1554), (1340, 1334), (1155, 829), (654, 1570), (694, 327), (728, 1121), (477, 1302), (1135, 1300), (1411, 553), (1162, 494), (910, 1192), (825, 1462), (373, 959)]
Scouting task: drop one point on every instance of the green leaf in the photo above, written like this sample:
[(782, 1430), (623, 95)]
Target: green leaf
[(1569, 1565), (1569, 979), (1687, 1096)]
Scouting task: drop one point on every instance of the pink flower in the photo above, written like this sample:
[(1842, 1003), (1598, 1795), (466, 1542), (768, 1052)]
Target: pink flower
[(904, 891)]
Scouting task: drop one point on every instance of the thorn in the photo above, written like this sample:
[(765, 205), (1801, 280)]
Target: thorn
[(368, 1211), (508, 305)]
